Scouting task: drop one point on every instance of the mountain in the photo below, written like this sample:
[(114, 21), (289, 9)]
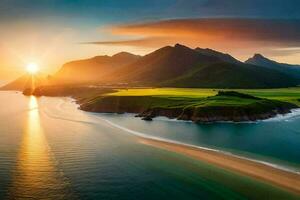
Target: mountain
[(222, 56), (180, 66), (163, 64), (92, 69), (25, 81), (228, 75), (292, 70)]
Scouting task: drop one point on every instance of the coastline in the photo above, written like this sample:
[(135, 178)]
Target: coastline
[(225, 106), (217, 115), (257, 170), (266, 172), (294, 113)]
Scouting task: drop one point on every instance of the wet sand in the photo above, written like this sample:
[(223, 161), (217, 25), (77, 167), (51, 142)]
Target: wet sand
[(269, 174)]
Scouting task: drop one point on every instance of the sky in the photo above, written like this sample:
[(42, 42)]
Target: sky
[(52, 32)]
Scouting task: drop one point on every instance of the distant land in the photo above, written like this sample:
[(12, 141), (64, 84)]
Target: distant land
[(94, 69), (175, 66), (260, 60), (25, 82), (94, 84)]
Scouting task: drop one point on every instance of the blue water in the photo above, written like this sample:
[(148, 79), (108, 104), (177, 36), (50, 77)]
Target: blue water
[(276, 140), (51, 150)]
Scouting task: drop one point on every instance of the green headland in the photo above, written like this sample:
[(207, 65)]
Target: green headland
[(198, 105)]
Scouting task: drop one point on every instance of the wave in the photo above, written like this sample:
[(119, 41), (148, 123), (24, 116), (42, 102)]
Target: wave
[(295, 113)]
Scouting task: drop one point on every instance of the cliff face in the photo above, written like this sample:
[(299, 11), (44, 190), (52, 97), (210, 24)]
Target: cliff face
[(219, 114)]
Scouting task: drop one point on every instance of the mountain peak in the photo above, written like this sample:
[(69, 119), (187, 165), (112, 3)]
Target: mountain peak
[(181, 46), (257, 59), (260, 60), (258, 56), (123, 54), (125, 57), (222, 56)]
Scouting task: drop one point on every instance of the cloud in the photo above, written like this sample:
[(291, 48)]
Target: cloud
[(230, 35), (141, 42)]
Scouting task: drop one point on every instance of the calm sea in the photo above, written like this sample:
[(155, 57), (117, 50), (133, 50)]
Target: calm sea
[(51, 150)]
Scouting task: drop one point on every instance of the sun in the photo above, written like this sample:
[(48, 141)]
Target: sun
[(32, 68)]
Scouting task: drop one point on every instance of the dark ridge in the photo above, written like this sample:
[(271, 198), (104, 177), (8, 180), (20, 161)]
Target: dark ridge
[(236, 94)]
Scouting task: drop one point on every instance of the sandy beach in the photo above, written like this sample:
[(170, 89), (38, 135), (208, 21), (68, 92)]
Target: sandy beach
[(277, 177)]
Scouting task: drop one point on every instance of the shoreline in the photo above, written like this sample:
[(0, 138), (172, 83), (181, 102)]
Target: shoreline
[(275, 176), (145, 136), (294, 113), (266, 172)]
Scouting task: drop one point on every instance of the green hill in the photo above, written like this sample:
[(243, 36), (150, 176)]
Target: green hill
[(228, 75)]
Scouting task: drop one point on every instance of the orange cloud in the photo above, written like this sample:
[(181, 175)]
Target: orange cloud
[(282, 31), (238, 36), (148, 41)]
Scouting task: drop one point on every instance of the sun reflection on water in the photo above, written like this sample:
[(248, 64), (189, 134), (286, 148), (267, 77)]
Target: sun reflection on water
[(36, 175)]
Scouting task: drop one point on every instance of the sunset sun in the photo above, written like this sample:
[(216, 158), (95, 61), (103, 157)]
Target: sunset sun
[(32, 68)]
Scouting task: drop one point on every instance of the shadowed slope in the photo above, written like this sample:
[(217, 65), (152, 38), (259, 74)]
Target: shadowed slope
[(163, 64), (93, 69), (180, 66), (292, 70), (227, 75)]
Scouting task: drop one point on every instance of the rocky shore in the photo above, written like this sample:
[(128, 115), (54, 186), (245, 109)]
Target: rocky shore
[(204, 116)]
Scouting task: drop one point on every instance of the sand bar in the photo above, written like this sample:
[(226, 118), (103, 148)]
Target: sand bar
[(277, 177)]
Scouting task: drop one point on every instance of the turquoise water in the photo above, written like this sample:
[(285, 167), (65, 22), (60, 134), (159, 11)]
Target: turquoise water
[(275, 141), (51, 150)]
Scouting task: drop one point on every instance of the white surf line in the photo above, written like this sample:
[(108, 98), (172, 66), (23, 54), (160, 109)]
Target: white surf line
[(279, 117), (143, 135), (294, 113)]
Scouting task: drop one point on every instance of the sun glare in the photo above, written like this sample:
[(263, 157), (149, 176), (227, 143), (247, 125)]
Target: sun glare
[(32, 68)]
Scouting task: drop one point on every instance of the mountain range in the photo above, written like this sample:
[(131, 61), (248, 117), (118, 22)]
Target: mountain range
[(260, 60), (179, 66)]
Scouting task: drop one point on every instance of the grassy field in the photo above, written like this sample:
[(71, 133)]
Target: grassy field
[(291, 95)]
